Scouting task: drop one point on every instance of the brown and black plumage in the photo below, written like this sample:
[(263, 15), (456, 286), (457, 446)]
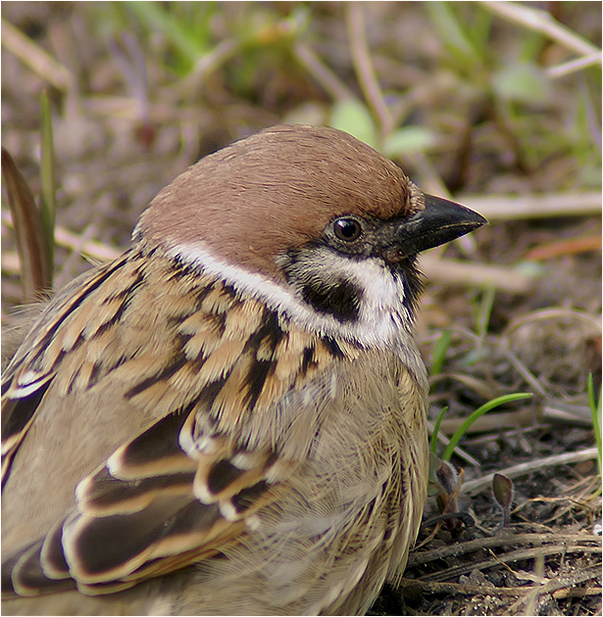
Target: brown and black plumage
[(230, 417)]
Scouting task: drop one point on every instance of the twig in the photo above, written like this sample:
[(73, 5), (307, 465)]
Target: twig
[(540, 21), (329, 82), (570, 580), (507, 539), (491, 422), (70, 240), (35, 57), (363, 66), (510, 208), (454, 273), (474, 486), (518, 555), (429, 587), (567, 68)]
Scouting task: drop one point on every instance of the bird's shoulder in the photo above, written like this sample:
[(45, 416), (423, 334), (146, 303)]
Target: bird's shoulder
[(231, 391), (164, 336)]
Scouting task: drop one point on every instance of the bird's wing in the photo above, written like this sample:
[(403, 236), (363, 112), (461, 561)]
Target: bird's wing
[(149, 510), (34, 366), (188, 485)]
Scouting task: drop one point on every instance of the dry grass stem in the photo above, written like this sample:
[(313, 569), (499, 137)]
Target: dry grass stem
[(427, 175), (573, 414), (492, 421), (479, 386), (444, 271), (206, 65), (558, 314), (567, 68), (513, 307), (475, 486), (541, 21), (521, 368), (512, 556), (578, 592), (363, 66), (66, 239), (571, 246), (323, 75), (431, 587), (500, 541), (562, 582), (459, 273), (35, 57), (520, 207), (458, 451)]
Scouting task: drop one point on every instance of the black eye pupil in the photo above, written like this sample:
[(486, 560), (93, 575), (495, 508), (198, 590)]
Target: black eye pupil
[(347, 229)]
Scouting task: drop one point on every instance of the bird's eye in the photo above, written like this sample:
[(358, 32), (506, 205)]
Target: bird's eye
[(347, 229)]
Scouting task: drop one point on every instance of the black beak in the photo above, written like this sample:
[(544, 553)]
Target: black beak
[(440, 222)]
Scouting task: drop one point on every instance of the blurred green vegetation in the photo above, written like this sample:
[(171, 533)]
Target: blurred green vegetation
[(453, 80), (471, 98)]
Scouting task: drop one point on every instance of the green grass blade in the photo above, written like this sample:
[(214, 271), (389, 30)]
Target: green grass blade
[(485, 311), (451, 31), (595, 408), (157, 17), (48, 204), (501, 400), (440, 349), (436, 430)]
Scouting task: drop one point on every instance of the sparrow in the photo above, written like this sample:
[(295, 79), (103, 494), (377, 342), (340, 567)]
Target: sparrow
[(230, 418)]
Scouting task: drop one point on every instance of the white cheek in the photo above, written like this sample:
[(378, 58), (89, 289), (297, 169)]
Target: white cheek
[(380, 289), (383, 319)]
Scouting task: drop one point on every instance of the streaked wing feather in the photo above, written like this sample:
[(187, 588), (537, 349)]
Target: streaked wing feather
[(127, 530), (31, 371), (27, 576), (190, 483)]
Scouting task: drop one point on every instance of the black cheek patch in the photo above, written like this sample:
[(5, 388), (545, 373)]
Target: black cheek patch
[(340, 298)]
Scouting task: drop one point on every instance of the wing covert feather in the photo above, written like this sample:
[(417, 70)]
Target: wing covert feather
[(209, 365)]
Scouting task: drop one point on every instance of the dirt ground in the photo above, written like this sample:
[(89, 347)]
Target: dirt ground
[(504, 129)]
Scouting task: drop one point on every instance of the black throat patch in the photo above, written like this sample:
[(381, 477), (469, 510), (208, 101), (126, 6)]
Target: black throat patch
[(313, 278), (339, 297)]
